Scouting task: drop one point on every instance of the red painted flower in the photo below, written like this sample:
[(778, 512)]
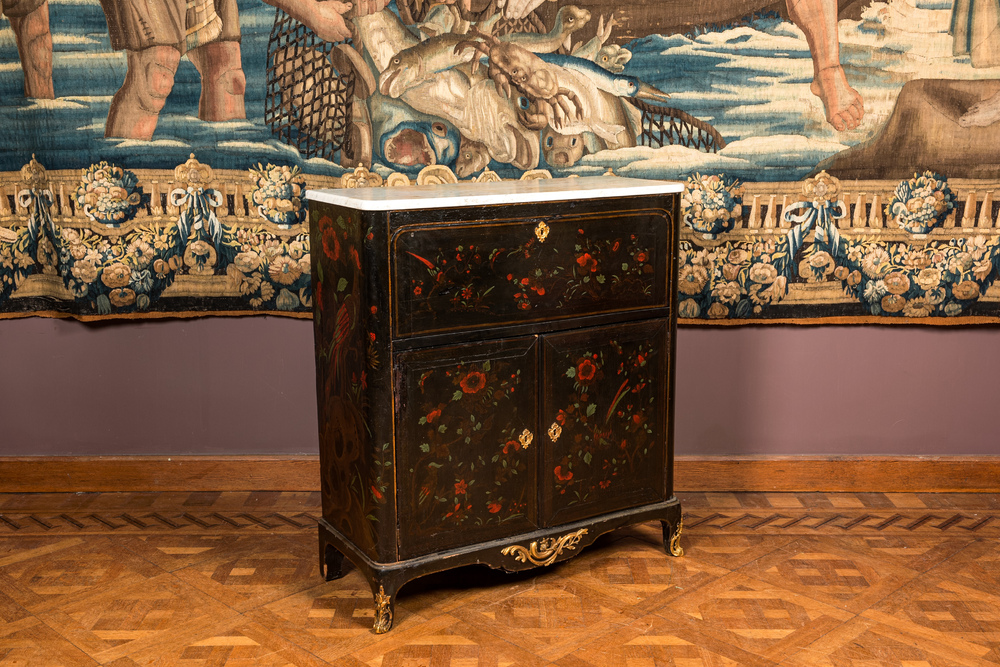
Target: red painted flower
[(473, 382), (418, 290), (434, 414), (493, 507), (371, 336), (331, 246), (376, 493), (641, 257), (585, 371), (563, 476), (587, 263), (461, 487)]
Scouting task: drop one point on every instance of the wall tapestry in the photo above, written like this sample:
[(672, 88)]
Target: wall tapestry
[(840, 156)]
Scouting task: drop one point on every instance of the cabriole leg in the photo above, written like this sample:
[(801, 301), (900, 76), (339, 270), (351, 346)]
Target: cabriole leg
[(672, 537), (385, 602)]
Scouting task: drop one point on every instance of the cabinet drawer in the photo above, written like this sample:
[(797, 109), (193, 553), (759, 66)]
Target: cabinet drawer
[(473, 275)]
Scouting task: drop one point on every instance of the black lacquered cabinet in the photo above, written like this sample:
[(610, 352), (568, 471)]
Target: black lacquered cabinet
[(494, 372)]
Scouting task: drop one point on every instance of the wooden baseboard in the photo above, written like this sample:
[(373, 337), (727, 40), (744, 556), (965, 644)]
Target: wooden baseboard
[(43, 474)]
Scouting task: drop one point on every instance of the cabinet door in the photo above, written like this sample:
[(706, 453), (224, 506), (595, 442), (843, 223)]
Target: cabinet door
[(604, 412), (466, 449)]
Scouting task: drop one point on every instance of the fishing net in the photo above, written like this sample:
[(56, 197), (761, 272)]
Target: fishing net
[(667, 126), (308, 102)]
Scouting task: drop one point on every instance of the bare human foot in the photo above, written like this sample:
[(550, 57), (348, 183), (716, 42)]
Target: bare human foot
[(982, 114), (844, 106)]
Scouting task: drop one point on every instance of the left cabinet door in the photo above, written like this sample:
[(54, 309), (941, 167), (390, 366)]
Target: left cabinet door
[(466, 447)]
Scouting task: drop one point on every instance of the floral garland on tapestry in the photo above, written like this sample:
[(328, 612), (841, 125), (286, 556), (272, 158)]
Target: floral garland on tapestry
[(108, 242)]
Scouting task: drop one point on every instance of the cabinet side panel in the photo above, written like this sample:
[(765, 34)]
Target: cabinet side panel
[(353, 386)]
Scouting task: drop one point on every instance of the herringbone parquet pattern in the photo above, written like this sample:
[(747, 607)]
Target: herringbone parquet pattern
[(228, 579)]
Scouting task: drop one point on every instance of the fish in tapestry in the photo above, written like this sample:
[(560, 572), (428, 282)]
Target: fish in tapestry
[(745, 100)]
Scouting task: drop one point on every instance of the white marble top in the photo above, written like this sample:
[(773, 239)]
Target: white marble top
[(483, 194)]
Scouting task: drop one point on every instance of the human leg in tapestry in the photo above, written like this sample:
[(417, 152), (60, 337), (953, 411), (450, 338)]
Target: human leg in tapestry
[(29, 20), (154, 37), (818, 20)]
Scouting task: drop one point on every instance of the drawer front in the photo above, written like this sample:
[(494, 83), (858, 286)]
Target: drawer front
[(604, 420), (466, 449), (474, 275)]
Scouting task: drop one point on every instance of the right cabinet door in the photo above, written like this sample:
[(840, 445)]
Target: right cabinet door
[(604, 418)]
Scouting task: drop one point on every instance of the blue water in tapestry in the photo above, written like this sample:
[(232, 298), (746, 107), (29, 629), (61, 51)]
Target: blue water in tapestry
[(750, 81)]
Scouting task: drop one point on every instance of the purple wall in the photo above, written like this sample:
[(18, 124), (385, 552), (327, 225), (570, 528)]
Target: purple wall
[(245, 386)]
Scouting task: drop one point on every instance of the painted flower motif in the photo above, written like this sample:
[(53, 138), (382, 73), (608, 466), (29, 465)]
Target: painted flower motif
[(711, 204), (874, 291), (461, 487), (728, 293), (200, 258), (116, 275), (587, 263), (928, 278), (896, 282), (142, 253), (473, 382), (893, 303), (286, 301), (717, 311), (737, 256), (763, 273), (277, 193), (563, 475), (918, 307), (875, 263), (982, 269), (284, 270), (121, 297), (586, 371), (494, 507), (936, 295), (108, 194), (920, 203), (331, 245), (688, 309), (692, 278), (432, 415), (246, 261), (952, 309), (966, 290), (141, 281), (817, 266)]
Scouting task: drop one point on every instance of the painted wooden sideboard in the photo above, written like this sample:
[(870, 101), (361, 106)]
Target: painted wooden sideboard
[(494, 372)]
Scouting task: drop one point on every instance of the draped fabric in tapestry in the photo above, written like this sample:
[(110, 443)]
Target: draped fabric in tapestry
[(840, 156)]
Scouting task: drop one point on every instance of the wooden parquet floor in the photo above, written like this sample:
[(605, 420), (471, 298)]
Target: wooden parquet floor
[(232, 579)]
